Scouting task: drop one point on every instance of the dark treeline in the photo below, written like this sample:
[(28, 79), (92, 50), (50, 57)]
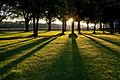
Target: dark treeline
[(95, 11)]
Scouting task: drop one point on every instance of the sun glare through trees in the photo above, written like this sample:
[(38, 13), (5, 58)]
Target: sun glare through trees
[(59, 39), (70, 20)]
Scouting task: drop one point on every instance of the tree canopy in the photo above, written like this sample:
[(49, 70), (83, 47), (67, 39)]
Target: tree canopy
[(90, 10)]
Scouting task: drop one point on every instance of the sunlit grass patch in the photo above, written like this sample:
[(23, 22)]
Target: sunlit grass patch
[(101, 63), (105, 43), (15, 34), (109, 38), (47, 55), (49, 33), (54, 57)]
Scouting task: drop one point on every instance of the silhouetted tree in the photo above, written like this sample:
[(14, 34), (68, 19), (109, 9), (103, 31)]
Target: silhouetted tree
[(51, 12), (62, 11), (79, 27), (119, 28), (112, 6), (37, 11), (72, 11), (5, 10)]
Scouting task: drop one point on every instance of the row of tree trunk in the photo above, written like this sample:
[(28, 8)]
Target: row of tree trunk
[(36, 23)]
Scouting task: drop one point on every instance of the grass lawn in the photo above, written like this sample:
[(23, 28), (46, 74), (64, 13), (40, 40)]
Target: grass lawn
[(54, 57)]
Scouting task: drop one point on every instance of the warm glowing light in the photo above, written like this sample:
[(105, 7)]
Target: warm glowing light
[(70, 20)]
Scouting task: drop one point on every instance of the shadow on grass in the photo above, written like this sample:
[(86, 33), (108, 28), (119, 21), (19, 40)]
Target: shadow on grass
[(12, 34), (7, 67), (69, 65), (116, 43), (9, 32), (5, 33), (113, 52), (29, 36), (78, 63), (18, 50), (17, 37), (59, 70), (16, 42)]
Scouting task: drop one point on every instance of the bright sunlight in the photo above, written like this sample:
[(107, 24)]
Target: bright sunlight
[(70, 20)]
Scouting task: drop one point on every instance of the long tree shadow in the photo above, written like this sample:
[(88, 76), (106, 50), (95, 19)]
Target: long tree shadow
[(5, 33), (60, 69), (10, 33), (16, 37), (7, 67), (112, 52), (16, 42), (68, 64), (18, 50), (108, 40), (80, 72), (30, 36)]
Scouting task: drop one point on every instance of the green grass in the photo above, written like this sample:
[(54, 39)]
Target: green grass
[(54, 57)]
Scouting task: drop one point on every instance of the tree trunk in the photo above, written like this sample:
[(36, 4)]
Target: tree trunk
[(34, 28), (111, 27), (65, 26), (88, 26), (79, 28), (73, 27), (119, 27), (116, 29), (26, 25), (63, 29), (94, 29), (1, 18), (49, 25), (103, 29), (100, 26)]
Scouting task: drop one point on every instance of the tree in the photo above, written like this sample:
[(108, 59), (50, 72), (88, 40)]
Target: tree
[(104, 29), (111, 27), (87, 22), (100, 25), (118, 14), (119, 28), (79, 27), (72, 11), (5, 10), (36, 10), (95, 10), (80, 15), (22, 8), (111, 6), (51, 12), (62, 12), (27, 17)]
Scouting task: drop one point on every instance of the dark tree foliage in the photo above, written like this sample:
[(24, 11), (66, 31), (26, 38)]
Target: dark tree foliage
[(96, 11), (51, 11), (62, 12), (37, 11), (23, 8), (5, 9)]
